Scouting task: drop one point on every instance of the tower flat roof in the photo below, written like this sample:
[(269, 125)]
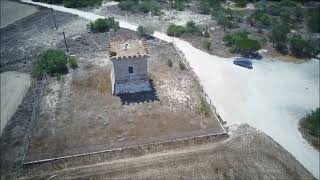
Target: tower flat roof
[(121, 48)]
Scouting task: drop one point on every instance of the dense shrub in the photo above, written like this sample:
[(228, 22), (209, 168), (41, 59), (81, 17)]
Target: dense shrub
[(288, 3), (128, 5), (241, 3), (192, 28), (313, 122), (52, 61), (178, 4), (144, 6), (182, 66), (314, 19), (259, 17), (300, 47), (175, 30), (144, 32), (246, 46), (240, 43), (226, 17), (104, 25), (230, 39), (73, 62), (278, 36), (81, 3)]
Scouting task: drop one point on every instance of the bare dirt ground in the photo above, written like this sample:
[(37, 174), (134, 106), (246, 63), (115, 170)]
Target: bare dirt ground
[(81, 106), (247, 154)]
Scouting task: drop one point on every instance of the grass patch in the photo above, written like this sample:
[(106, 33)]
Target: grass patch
[(73, 62), (204, 108), (104, 25), (182, 66)]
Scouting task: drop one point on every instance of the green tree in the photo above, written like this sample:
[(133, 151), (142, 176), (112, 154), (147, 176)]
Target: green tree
[(278, 36), (192, 28), (104, 25), (314, 19), (51, 61), (313, 122), (300, 47), (175, 30)]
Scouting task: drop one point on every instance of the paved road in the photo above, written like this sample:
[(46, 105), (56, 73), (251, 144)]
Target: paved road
[(13, 11), (272, 97), (14, 86)]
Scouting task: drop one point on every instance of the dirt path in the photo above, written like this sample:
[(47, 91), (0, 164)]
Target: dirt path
[(248, 154)]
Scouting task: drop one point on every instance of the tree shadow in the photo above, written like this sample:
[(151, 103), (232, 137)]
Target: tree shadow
[(138, 97)]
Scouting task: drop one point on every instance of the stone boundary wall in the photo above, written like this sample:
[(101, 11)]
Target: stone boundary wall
[(35, 111), (55, 164)]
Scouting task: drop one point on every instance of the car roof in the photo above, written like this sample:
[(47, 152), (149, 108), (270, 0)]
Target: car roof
[(243, 59)]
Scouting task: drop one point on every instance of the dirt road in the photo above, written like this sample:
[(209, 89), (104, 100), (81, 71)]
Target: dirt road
[(247, 154)]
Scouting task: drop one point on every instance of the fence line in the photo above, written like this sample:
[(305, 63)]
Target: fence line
[(34, 114), (206, 97)]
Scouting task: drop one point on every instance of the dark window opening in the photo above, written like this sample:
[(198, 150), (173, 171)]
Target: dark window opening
[(130, 70)]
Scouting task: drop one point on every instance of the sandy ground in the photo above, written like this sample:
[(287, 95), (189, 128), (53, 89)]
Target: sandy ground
[(239, 100), (14, 86), (272, 97), (12, 11), (247, 154)]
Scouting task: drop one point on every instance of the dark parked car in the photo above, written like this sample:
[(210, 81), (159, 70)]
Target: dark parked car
[(244, 62)]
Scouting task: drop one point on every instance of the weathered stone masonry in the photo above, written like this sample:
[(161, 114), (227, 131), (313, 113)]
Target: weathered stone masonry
[(130, 65)]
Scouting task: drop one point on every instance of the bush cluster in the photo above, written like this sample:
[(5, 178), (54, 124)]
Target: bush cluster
[(259, 18), (145, 6), (190, 28), (104, 25), (51, 61), (314, 19), (178, 4), (144, 32), (206, 6), (240, 43), (175, 30), (313, 122), (301, 47), (73, 62), (278, 36), (226, 17)]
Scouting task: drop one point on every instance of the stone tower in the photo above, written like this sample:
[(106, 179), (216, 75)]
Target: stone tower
[(129, 59)]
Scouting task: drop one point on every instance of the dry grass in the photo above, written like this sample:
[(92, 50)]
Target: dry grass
[(97, 80)]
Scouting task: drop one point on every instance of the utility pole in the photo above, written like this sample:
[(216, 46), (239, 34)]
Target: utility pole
[(65, 42)]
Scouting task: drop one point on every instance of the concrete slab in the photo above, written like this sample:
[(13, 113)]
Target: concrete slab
[(14, 11), (14, 86)]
